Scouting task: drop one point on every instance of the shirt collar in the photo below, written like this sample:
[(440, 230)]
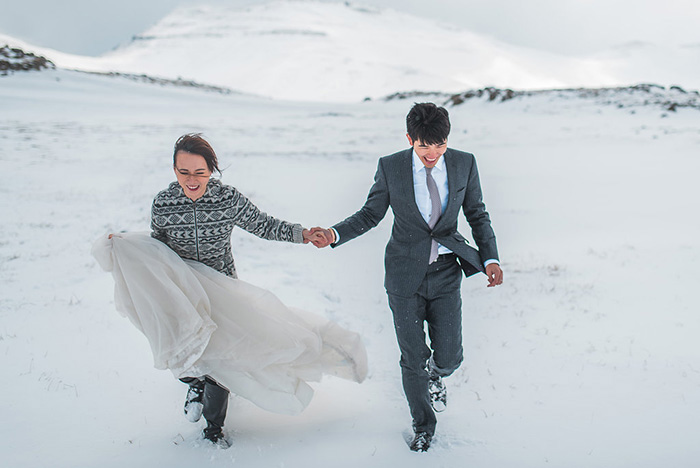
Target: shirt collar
[(418, 165)]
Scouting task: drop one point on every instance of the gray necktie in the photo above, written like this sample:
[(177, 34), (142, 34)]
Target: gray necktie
[(435, 212)]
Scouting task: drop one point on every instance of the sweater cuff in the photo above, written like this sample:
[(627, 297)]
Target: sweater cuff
[(297, 234)]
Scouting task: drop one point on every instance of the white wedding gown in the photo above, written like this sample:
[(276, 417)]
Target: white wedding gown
[(201, 322)]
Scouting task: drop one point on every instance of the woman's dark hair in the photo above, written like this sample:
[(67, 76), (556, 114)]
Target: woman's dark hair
[(428, 123), (195, 144)]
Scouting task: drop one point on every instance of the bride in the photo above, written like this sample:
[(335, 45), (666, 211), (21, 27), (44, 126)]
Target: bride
[(216, 333)]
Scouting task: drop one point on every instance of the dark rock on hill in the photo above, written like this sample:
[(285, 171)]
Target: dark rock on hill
[(14, 59), (669, 99)]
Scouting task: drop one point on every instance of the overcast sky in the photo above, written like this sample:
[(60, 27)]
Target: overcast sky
[(92, 27)]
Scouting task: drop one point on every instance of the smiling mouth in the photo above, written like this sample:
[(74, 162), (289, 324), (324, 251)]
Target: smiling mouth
[(193, 188)]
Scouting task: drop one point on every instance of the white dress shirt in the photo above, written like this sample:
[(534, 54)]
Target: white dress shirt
[(420, 189)]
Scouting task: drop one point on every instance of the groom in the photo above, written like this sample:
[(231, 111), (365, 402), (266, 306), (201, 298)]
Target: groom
[(426, 187)]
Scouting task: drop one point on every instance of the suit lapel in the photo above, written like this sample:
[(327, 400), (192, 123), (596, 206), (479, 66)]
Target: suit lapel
[(452, 178)]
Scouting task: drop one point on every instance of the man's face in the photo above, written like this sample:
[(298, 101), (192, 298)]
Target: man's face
[(428, 154)]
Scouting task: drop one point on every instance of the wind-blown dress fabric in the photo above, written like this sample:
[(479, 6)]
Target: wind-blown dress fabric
[(199, 321)]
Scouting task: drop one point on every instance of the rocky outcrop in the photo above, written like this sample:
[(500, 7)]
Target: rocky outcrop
[(162, 81), (669, 99), (14, 59)]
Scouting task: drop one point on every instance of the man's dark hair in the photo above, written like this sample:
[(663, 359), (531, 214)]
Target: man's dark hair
[(195, 144), (428, 123)]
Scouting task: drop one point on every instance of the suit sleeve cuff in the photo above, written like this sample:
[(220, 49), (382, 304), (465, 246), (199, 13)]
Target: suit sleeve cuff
[(490, 261)]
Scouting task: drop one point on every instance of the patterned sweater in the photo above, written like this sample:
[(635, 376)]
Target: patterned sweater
[(201, 230)]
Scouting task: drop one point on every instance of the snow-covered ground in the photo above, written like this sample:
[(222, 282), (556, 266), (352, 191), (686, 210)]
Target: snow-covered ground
[(587, 356)]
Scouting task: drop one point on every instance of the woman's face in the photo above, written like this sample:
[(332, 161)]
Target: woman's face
[(192, 174)]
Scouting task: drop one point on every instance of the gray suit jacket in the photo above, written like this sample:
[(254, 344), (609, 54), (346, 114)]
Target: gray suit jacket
[(408, 250)]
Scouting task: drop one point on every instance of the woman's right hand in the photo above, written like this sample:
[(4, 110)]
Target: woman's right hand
[(319, 237)]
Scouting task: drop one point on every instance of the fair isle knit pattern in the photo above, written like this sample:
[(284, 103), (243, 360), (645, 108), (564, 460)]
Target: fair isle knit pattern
[(201, 230)]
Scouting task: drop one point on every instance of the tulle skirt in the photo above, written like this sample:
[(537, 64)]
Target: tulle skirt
[(201, 322)]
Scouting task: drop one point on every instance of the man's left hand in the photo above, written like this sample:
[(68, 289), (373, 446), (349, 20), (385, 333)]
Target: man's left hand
[(495, 274)]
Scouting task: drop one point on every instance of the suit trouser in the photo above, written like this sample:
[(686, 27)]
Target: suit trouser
[(439, 303)]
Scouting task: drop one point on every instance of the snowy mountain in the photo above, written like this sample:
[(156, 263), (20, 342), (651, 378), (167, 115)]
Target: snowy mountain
[(319, 51), (334, 51)]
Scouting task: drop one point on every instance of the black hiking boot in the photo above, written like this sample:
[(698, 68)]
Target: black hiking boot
[(421, 442), (215, 435)]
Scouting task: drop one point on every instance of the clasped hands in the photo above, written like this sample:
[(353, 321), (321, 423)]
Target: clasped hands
[(319, 237)]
